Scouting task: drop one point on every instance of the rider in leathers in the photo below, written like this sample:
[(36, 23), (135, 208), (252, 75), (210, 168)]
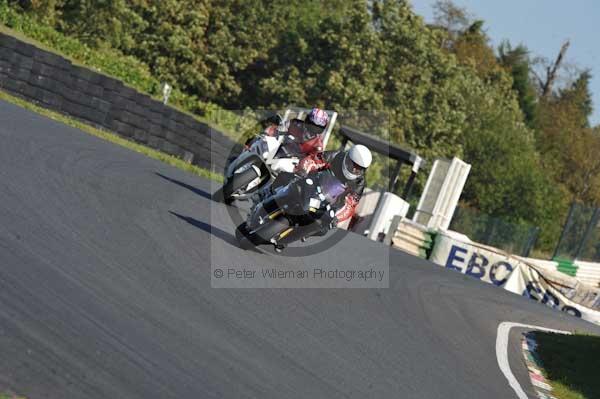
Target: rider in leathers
[(305, 135), (348, 166)]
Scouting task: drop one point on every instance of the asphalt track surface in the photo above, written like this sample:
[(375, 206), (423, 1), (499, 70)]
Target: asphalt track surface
[(105, 293)]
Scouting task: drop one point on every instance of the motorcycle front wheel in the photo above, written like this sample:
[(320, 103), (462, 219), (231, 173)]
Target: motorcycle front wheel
[(236, 183)]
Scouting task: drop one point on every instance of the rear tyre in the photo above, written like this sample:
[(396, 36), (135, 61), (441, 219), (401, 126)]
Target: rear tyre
[(243, 236), (262, 235), (271, 229)]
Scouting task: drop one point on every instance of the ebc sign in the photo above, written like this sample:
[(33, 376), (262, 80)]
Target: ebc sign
[(482, 266), (473, 260), (506, 272)]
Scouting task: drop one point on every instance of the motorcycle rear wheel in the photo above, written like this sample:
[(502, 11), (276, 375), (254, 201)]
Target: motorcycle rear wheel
[(261, 235), (242, 234)]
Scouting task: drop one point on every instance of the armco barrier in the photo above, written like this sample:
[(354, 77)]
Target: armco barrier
[(55, 83), (566, 266), (588, 272), (535, 279)]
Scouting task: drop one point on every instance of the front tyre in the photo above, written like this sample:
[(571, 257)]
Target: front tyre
[(236, 183)]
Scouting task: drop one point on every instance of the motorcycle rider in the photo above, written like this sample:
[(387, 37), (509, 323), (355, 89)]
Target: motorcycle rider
[(306, 134), (349, 167), (302, 137)]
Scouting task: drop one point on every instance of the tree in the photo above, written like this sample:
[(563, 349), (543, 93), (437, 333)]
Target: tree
[(516, 61), (100, 22), (580, 96), (546, 83), (421, 84), (333, 61), (568, 145), (201, 46), (472, 49), (454, 20), (46, 10), (507, 178)]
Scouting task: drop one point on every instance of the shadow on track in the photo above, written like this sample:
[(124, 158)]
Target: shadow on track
[(223, 235), (193, 189), (215, 231)]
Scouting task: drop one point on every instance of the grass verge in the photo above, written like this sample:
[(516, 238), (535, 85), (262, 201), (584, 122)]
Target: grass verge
[(9, 396), (571, 364), (113, 138)]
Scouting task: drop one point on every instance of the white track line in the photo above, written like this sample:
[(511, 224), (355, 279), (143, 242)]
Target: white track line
[(502, 352)]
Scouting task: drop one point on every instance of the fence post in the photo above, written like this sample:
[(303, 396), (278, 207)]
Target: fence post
[(564, 229), (533, 237), (588, 232), (490, 229)]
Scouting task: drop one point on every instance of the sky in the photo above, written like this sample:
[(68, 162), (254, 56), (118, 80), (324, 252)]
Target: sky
[(542, 26)]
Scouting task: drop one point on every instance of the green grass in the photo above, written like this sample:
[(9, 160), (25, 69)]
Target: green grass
[(571, 364), (10, 396), (113, 138)]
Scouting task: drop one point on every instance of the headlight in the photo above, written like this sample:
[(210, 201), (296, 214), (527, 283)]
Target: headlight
[(314, 203)]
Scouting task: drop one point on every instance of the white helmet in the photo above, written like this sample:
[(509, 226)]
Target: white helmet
[(356, 161)]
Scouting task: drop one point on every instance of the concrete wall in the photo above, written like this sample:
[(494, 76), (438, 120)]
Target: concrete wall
[(55, 83)]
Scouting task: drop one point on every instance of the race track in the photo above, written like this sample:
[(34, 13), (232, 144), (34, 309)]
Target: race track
[(105, 293)]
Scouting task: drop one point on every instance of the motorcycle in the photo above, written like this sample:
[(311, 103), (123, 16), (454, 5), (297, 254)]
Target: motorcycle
[(293, 212), (265, 157)]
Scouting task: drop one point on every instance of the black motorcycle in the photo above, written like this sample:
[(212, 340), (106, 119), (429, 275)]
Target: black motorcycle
[(293, 212)]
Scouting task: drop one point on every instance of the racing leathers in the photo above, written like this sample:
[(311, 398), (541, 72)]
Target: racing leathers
[(346, 204)]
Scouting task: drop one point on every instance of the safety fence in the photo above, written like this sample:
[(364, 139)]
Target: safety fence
[(516, 238), (580, 237)]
